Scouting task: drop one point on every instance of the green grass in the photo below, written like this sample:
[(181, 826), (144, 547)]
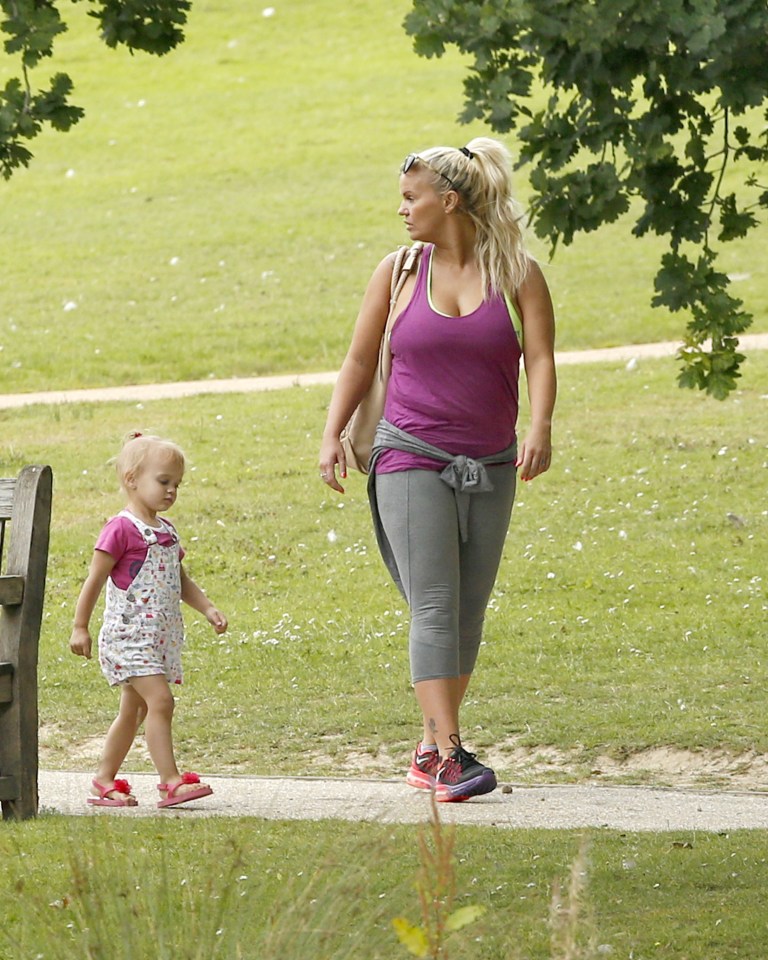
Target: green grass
[(629, 611), (252, 889), (219, 211)]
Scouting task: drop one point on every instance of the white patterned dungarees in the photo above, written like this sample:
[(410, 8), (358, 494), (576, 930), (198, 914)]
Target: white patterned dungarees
[(143, 631)]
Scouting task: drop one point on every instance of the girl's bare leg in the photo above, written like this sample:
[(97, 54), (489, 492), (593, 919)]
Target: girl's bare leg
[(119, 740), (158, 728)]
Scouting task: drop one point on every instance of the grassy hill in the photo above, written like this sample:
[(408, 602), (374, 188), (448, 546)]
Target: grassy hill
[(219, 210)]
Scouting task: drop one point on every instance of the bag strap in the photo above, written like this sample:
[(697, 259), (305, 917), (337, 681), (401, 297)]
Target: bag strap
[(397, 269), (405, 258)]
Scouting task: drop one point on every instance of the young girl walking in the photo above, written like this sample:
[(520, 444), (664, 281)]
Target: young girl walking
[(139, 557)]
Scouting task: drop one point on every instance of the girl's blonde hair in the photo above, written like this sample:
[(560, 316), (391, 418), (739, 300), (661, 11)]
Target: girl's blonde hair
[(480, 174), (137, 447)]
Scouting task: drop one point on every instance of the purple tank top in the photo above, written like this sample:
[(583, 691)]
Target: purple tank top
[(454, 380)]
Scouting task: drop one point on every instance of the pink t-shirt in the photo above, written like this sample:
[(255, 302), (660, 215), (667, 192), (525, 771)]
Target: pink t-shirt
[(121, 540), (454, 380)]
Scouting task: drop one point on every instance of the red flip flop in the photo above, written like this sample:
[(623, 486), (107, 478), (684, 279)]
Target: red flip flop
[(172, 798), (121, 786)]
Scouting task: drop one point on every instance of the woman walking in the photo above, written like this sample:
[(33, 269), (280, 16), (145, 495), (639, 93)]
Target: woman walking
[(446, 457)]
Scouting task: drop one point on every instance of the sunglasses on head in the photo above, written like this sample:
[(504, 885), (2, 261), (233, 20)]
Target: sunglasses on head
[(413, 157)]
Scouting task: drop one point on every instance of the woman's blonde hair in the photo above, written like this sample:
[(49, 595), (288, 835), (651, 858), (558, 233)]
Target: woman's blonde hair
[(480, 174), (137, 447)]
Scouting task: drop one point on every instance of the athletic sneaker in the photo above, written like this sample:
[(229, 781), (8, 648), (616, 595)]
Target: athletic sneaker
[(461, 776), (423, 770)]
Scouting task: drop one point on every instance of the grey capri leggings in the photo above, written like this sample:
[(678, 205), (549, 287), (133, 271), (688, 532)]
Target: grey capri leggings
[(447, 583)]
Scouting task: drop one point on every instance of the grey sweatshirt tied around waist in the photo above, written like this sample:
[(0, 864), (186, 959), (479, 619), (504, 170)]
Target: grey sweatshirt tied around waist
[(465, 475)]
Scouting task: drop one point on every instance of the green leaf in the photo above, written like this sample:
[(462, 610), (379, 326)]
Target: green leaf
[(741, 135), (464, 916), (413, 938), (154, 27), (32, 28), (719, 385), (733, 222), (690, 378)]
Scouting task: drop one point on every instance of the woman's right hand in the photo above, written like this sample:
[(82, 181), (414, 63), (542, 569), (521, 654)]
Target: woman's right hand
[(331, 455)]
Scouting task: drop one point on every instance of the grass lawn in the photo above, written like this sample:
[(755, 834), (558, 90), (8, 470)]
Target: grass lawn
[(629, 613)]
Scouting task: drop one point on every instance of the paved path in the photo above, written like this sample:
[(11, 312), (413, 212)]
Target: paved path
[(391, 801), (163, 391)]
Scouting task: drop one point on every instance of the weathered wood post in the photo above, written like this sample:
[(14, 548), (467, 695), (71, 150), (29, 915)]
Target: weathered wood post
[(26, 503)]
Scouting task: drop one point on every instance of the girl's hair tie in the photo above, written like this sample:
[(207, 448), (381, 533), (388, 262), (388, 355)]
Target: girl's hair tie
[(467, 153)]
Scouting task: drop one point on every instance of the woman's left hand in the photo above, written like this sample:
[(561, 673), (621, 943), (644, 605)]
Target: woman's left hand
[(535, 456), (538, 318)]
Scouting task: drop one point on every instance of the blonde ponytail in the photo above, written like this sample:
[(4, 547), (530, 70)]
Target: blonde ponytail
[(480, 174)]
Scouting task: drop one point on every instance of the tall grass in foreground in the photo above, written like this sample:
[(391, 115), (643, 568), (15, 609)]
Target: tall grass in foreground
[(149, 905), (152, 905), (574, 935), (571, 919), (436, 890), (258, 890)]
